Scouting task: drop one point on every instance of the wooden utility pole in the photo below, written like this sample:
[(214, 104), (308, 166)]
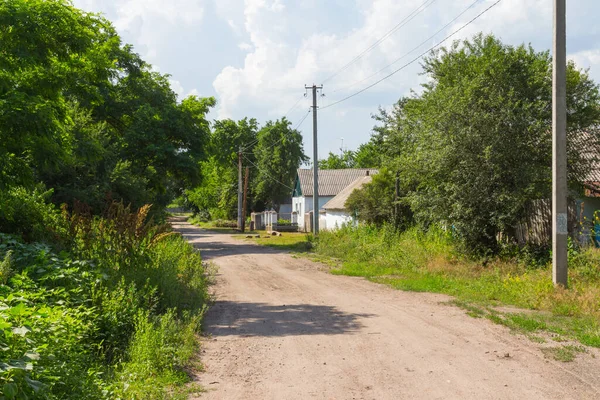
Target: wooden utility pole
[(559, 147), (247, 177), (314, 89), (240, 220)]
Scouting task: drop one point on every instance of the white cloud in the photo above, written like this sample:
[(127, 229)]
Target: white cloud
[(586, 58), (245, 46), (148, 23), (179, 90), (263, 52)]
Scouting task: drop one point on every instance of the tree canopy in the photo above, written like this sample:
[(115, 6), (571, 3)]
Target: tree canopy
[(82, 113), (473, 148)]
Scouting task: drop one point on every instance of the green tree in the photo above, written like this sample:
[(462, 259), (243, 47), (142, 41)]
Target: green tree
[(85, 115), (343, 161), (279, 153), (217, 192), (474, 148)]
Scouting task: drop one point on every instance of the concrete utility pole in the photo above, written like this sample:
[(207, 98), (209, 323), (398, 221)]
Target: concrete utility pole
[(559, 147), (314, 89), (240, 220)]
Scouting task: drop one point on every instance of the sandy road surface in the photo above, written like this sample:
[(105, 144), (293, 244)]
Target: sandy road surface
[(282, 328)]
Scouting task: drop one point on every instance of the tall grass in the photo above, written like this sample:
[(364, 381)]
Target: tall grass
[(109, 311), (429, 261)]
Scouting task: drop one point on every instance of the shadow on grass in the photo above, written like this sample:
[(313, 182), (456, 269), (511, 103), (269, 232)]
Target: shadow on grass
[(231, 318)]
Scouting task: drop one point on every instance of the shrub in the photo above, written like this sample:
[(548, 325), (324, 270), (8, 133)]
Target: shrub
[(28, 214), (114, 316)]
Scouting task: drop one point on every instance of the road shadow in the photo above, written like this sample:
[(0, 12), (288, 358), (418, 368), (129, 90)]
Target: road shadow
[(215, 248), (231, 318)]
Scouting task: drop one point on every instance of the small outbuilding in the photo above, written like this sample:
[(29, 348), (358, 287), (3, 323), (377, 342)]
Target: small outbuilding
[(331, 183), (334, 213)]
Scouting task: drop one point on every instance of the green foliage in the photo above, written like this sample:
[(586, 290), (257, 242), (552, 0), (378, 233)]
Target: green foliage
[(368, 156), (72, 324), (162, 346), (346, 160), (374, 202), (279, 152), (26, 213), (474, 148), (217, 193), (86, 116)]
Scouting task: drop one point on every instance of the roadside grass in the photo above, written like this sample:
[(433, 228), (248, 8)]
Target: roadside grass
[(565, 353), (111, 309), (210, 225), (296, 242), (430, 262)]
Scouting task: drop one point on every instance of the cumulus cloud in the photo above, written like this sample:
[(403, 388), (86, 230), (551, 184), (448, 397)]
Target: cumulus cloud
[(275, 47)]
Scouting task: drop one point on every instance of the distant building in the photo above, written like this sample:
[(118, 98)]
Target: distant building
[(334, 213), (331, 183)]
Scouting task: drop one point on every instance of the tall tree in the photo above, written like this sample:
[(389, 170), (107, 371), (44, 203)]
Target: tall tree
[(474, 148), (85, 116), (279, 153), (343, 161)]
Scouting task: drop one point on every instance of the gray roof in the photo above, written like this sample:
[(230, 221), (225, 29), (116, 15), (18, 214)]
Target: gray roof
[(331, 181), (587, 145), (339, 201)]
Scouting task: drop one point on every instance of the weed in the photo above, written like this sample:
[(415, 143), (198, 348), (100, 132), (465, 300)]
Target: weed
[(113, 315), (565, 353)]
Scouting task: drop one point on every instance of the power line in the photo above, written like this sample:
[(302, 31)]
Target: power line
[(402, 23), (253, 142), (413, 60), (269, 176), (295, 128), (294, 106), (410, 52)]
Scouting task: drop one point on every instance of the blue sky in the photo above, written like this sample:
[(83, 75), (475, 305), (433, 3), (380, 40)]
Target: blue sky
[(255, 56)]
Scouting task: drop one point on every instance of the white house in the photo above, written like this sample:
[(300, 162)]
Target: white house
[(331, 183), (334, 213)]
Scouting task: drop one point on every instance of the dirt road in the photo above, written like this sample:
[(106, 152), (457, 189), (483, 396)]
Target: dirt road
[(283, 328)]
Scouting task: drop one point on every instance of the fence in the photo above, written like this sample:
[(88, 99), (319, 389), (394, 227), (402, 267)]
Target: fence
[(536, 227), (273, 221)]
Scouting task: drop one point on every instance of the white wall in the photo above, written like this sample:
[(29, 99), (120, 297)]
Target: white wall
[(298, 206), (303, 205), (335, 219)]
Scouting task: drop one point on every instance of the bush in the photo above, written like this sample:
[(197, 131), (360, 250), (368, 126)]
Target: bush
[(28, 214), (113, 315), (162, 347)]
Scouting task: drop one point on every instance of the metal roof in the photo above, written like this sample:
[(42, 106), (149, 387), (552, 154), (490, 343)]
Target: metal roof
[(587, 146), (331, 181), (339, 201)]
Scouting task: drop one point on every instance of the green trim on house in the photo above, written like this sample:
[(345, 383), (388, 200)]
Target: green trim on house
[(297, 188)]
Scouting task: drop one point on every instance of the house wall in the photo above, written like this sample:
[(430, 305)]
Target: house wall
[(335, 219), (302, 205), (285, 208)]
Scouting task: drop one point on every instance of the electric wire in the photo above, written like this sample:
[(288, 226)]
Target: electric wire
[(268, 175), (272, 145), (413, 60), (295, 128), (410, 52), (398, 26), (253, 142)]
